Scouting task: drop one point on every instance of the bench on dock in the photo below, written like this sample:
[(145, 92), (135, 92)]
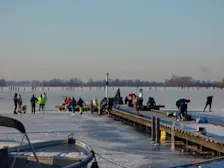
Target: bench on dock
[(157, 107), (85, 108)]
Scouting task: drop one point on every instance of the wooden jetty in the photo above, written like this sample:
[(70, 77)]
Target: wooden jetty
[(199, 143), (170, 114)]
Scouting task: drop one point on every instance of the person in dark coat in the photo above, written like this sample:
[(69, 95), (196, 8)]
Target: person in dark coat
[(180, 101), (183, 110), (33, 102), (81, 103), (151, 103), (73, 104), (126, 100), (182, 105), (118, 93), (15, 98), (209, 102)]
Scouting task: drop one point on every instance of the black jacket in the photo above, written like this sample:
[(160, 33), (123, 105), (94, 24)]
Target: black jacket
[(33, 101), (179, 102), (73, 103), (80, 103), (209, 99), (15, 100)]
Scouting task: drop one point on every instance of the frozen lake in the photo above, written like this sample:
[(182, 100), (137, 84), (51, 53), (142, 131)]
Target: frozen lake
[(166, 96), (111, 139)]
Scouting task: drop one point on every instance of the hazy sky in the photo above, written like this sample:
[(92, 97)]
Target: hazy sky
[(140, 39)]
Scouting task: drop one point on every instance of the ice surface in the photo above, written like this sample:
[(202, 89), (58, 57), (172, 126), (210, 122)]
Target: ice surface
[(111, 139)]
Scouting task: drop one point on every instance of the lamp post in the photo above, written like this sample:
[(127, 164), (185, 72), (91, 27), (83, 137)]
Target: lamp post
[(107, 74)]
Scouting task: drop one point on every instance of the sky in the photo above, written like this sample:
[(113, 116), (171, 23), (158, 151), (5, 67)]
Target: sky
[(130, 39)]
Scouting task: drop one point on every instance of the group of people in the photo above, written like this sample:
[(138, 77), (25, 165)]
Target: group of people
[(20, 108), (182, 105), (42, 100), (134, 100), (17, 103), (70, 104), (103, 106)]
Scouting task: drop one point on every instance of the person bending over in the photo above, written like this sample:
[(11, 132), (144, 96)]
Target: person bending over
[(180, 101)]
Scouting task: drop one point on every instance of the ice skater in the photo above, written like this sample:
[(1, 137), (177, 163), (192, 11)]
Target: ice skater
[(209, 102)]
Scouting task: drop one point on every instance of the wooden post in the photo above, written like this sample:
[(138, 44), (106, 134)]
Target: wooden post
[(218, 154), (99, 109), (173, 136), (153, 129), (158, 133)]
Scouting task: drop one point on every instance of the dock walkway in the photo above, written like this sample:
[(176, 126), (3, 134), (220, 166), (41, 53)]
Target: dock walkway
[(184, 131), (216, 132)]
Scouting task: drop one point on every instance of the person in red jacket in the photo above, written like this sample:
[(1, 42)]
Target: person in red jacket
[(68, 103)]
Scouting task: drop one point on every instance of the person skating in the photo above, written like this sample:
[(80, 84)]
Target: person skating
[(209, 102), (33, 102)]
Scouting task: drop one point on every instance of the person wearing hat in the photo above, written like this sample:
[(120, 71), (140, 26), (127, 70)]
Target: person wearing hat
[(180, 101)]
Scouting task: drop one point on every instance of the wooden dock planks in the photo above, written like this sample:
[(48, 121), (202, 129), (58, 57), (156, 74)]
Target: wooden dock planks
[(193, 137)]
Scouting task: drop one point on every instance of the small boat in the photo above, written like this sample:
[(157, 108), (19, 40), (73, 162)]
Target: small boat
[(67, 153)]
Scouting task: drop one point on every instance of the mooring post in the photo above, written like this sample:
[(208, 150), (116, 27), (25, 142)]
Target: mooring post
[(153, 129), (158, 133), (99, 109), (107, 74), (173, 136)]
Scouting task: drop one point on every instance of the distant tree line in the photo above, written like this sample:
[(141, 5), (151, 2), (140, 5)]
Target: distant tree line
[(174, 81)]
